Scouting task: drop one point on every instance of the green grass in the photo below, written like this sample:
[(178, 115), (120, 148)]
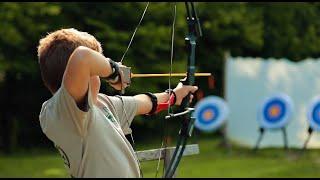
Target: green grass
[(32, 164), (213, 161)]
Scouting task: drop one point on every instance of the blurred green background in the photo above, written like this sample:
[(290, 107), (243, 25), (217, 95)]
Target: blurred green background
[(289, 30)]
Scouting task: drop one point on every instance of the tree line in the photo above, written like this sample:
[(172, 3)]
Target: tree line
[(289, 30)]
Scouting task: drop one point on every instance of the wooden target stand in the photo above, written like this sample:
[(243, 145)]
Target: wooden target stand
[(261, 133), (166, 154)]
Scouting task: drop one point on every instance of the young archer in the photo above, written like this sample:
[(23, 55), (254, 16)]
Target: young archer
[(87, 127)]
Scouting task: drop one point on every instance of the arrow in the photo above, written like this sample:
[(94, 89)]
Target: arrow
[(167, 74)]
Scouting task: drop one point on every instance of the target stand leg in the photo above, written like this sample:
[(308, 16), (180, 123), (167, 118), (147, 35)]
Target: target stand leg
[(285, 139), (310, 131), (224, 141), (261, 130)]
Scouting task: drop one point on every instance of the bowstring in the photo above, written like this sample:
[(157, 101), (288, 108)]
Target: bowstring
[(124, 54), (134, 33), (164, 138)]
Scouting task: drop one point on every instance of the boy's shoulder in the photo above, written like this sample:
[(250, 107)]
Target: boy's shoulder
[(53, 102)]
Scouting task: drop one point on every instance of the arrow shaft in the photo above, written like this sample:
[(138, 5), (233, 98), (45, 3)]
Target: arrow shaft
[(167, 74)]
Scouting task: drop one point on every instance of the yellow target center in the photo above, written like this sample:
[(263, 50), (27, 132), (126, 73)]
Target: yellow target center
[(274, 111), (208, 115)]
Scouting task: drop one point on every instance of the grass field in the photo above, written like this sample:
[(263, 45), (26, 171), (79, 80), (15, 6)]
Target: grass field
[(213, 161)]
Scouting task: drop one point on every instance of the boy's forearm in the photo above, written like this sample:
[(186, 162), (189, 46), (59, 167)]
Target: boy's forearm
[(145, 104), (162, 97), (83, 64), (96, 63)]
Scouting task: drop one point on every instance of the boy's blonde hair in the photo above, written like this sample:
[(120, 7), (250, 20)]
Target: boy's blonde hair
[(54, 51)]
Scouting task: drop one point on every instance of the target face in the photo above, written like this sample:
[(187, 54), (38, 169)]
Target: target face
[(276, 111), (210, 113), (314, 113)]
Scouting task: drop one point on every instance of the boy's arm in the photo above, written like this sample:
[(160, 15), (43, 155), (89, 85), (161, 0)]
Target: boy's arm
[(145, 103), (84, 63)]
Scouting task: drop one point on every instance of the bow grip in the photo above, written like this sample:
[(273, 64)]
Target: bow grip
[(185, 100)]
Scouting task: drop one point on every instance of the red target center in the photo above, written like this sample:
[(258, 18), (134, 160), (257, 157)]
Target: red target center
[(208, 115), (274, 111)]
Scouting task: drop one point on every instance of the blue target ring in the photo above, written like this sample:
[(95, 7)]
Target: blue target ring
[(276, 111), (210, 113), (314, 113)]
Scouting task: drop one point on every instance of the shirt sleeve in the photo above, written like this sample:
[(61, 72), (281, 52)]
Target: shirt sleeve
[(125, 108), (61, 114)]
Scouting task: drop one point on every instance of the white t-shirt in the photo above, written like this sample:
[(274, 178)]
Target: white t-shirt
[(92, 143)]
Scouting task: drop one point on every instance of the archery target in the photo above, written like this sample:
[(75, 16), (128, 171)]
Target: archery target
[(210, 113), (314, 113), (276, 111)]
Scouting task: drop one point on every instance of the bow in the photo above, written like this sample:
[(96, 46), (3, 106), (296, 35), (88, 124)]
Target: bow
[(185, 112)]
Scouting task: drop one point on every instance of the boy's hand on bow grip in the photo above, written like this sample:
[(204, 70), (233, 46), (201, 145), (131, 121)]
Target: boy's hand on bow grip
[(182, 91)]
